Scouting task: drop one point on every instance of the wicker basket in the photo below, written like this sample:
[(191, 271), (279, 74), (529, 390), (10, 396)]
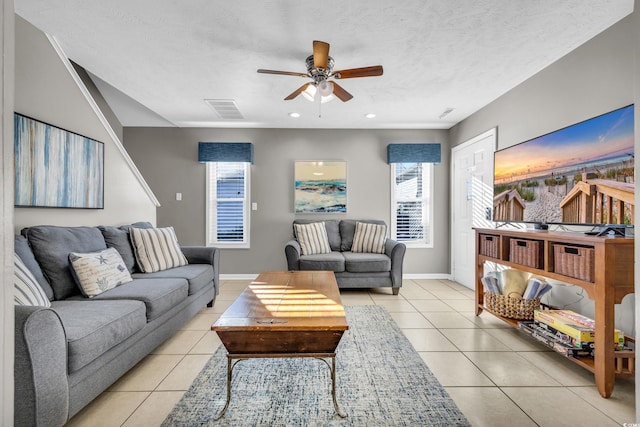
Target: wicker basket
[(526, 252), (574, 261), (489, 245), (511, 307)]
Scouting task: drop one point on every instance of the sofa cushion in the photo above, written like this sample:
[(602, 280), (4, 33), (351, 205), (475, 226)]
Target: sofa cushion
[(332, 227), (369, 238), (158, 295), (22, 249), (364, 262), (96, 272), (118, 238), (156, 249), (93, 327), (333, 261), (348, 230), (26, 290), (198, 275), (312, 238), (52, 245)]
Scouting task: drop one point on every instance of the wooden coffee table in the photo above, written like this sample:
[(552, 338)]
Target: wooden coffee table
[(284, 314)]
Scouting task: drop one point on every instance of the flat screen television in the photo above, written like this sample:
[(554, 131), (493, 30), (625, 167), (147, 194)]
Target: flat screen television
[(582, 174)]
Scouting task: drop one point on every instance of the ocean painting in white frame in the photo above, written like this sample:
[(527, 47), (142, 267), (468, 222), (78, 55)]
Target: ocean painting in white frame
[(320, 187), (55, 168)]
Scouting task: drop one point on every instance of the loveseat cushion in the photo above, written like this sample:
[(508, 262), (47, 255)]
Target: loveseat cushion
[(333, 261), (332, 227), (22, 249), (348, 230), (93, 327), (364, 262), (198, 275), (158, 295), (52, 245)]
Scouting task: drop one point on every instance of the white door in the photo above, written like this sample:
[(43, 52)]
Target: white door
[(471, 201)]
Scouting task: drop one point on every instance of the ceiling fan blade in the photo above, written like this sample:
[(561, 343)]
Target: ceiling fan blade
[(320, 54), (284, 73), (297, 92), (373, 71), (340, 93)]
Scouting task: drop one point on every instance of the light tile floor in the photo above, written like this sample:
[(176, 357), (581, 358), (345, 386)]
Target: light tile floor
[(496, 375)]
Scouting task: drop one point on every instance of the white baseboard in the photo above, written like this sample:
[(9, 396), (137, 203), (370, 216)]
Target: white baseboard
[(404, 276)]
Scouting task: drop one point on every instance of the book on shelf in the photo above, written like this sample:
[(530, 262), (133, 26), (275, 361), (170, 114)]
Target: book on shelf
[(579, 328), (552, 341)]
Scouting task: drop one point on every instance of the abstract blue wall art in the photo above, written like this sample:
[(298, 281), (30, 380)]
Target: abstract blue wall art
[(320, 187), (55, 168)]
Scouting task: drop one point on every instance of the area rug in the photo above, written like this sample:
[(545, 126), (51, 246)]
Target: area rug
[(381, 381)]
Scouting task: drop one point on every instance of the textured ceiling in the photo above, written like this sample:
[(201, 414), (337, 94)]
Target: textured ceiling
[(156, 61)]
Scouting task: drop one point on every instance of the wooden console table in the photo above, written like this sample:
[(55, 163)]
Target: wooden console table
[(611, 279)]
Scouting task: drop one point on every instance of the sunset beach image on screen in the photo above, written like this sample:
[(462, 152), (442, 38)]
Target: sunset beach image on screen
[(581, 174)]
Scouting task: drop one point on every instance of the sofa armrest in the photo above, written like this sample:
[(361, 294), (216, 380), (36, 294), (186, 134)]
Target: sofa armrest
[(395, 250), (41, 386), (292, 251), (205, 255)]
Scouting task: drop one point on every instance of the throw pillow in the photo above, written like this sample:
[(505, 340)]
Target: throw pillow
[(156, 249), (369, 238), (100, 271), (27, 291), (313, 238)]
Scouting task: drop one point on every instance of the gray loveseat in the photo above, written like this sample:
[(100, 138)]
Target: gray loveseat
[(352, 269), (68, 354)]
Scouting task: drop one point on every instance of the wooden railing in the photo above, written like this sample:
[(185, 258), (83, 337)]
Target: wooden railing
[(599, 201), (508, 206)]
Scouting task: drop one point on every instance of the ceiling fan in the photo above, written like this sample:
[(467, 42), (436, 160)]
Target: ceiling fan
[(320, 70)]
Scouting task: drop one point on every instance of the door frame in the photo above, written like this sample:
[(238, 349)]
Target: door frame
[(493, 132)]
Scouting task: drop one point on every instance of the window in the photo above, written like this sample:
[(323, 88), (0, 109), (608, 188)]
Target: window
[(412, 211), (228, 204)]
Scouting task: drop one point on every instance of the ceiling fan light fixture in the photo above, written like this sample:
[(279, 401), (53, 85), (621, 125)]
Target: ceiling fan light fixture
[(325, 88), (325, 99), (310, 92)]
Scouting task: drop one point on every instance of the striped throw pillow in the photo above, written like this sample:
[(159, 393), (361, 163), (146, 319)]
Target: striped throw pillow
[(27, 291), (369, 238), (156, 249), (313, 238)]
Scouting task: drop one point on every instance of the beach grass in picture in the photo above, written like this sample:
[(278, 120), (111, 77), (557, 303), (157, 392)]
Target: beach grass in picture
[(320, 187), (56, 168)]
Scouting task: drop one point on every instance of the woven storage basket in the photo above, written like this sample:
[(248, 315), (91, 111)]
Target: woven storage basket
[(489, 245), (574, 261), (526, 252), (511, 307)]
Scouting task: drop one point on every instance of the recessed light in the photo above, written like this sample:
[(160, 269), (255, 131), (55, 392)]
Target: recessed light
[(370, 115), (294, 115)]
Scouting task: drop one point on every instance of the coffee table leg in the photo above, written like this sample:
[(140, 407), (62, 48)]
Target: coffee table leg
[(333, 388), (226, 405)]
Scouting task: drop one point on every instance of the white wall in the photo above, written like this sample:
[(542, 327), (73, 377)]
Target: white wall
[(46, 90), (6, 213)]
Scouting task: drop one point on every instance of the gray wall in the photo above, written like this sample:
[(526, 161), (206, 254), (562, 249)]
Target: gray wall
[(45, 90), (595, 78), (167, 157)]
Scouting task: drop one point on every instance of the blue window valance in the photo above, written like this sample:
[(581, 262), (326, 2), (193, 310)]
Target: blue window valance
[(413, 153), (225, 152)]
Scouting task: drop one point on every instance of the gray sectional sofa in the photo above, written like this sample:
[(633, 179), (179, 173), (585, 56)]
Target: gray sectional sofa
[(352, 269), (68, 354)]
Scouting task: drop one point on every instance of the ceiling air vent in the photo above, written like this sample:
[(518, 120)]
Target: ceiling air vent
[(225, 108)]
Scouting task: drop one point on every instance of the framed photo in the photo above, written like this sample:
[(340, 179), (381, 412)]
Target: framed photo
[(320, 187), (55, 168)]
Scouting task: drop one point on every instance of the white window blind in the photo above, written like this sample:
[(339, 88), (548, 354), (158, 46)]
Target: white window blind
[(411, 188), (227, 204)]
